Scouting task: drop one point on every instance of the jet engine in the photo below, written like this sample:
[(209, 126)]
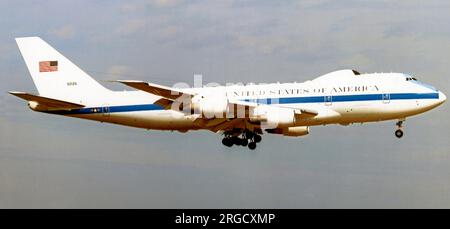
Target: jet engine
[(210, 106), (295, 131), (273, 117)]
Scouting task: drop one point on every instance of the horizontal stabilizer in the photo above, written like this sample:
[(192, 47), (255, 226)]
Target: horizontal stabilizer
[(47, 103), (159, 90)]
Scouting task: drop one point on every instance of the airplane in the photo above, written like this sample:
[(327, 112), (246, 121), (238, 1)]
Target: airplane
[(241, 113)]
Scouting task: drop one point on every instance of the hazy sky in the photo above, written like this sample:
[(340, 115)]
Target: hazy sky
[(56, 162)]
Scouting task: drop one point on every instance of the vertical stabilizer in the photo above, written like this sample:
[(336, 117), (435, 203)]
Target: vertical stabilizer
[(55, 76)]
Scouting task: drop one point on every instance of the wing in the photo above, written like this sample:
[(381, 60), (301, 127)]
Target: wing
[(169, 95), (50, 103), (156, 89)]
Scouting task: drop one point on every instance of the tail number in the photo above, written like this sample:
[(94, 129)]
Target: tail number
[(72, 84)]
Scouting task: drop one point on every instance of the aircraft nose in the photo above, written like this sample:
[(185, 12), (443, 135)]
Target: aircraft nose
[(442, 97)]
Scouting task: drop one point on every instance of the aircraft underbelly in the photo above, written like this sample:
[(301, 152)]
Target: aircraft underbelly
[(353, 112), (379, 111)]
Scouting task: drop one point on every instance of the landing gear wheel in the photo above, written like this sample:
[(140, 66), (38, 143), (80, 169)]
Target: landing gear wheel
[(257, 138), (248, 134), (244, 142), (236, 141), (399, 133), (252, 145), (227, 142)]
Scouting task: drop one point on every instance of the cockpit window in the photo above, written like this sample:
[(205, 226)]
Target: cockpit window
[(414, 80)]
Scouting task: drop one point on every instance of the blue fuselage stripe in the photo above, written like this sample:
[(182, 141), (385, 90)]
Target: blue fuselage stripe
[(289, 100), (345, 98), (112, 109), (145, 107)]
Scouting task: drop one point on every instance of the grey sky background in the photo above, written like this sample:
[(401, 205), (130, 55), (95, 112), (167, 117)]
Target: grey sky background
[(56, 162)]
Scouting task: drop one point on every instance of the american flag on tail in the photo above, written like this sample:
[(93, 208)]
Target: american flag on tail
[(48, 66)]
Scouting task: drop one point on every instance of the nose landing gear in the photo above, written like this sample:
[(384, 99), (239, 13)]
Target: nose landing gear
[(399, 131)]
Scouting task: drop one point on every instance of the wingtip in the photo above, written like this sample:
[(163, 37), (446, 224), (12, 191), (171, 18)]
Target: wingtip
[(15, 92), (25, 39), (129, 81), (109, 81), (32, 37)]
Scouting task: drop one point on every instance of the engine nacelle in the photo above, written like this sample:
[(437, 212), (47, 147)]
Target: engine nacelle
[(210, 106), (295, 131), (273, 117)]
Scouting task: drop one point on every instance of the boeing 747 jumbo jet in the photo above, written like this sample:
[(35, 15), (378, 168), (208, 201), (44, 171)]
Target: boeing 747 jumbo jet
[(241, 113)]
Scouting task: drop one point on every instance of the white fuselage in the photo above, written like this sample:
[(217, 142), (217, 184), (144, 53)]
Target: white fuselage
[(339, 98), (240, 112)]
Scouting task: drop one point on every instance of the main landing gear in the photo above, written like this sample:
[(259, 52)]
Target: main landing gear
[(399, 131), (246, 138)]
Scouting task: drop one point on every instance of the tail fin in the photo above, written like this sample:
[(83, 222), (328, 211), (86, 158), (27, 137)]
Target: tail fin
[(54, 75)]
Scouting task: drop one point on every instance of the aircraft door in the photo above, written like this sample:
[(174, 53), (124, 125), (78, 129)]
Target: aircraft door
[(386, 98), (328, 99), (105, 110)]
